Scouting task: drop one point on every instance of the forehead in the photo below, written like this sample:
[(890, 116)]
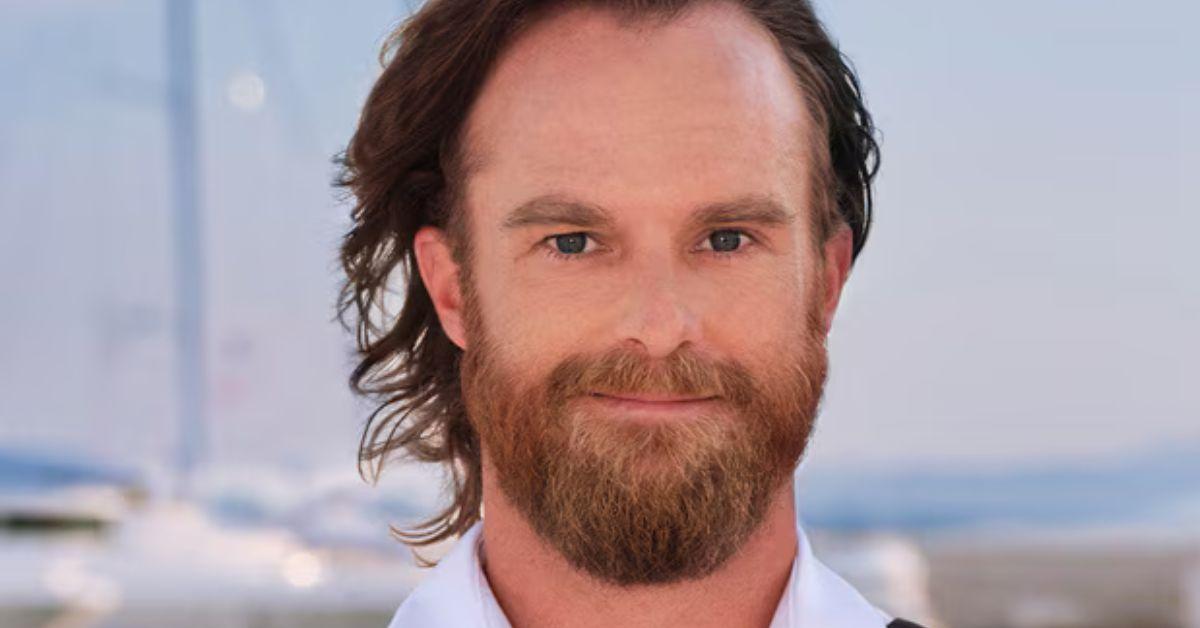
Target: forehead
[(644, 114)]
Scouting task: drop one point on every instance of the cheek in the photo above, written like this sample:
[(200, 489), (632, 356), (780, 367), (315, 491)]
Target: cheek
[(533, 326), (760, 318)]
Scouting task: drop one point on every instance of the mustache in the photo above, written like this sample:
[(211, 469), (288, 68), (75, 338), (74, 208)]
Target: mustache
[(620, 370)]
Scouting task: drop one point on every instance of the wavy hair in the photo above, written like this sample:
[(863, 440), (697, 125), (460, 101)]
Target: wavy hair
[(405, 168)]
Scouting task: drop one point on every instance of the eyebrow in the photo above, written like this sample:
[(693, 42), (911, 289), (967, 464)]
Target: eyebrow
[(559, 210)]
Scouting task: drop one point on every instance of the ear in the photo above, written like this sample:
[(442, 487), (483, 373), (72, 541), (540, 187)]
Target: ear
[(440, 275), (839, 253)]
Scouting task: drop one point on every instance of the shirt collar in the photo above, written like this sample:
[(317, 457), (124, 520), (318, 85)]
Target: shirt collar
[(456, 594)]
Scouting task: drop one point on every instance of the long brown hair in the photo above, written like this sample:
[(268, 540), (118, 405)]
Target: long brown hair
[(405, 166)]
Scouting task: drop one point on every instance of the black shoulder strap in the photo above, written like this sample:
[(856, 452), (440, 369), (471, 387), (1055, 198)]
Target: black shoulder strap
[(903, 623)]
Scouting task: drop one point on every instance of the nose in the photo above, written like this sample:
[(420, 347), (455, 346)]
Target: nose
[(659, 314)]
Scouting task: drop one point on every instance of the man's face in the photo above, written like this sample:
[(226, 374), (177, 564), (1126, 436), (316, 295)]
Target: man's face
[(640, 227)]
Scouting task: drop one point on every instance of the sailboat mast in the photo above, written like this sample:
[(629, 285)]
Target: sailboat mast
[(182, 117)]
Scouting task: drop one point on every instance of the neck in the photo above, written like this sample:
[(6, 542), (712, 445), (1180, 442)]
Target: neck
[(535, 586)]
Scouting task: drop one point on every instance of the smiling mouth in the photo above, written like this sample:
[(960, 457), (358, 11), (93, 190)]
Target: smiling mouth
[(652, 407), (653, 398)]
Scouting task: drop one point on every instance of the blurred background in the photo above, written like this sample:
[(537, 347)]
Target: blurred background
[(1011, 432)]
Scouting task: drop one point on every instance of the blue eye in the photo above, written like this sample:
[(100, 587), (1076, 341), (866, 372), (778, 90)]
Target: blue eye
[(567, 246), (570, 243), (725, 240)]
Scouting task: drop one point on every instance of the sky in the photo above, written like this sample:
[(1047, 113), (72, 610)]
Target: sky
[(1028, 292)]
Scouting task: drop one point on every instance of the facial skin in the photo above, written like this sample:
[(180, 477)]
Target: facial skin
[(647, 125)]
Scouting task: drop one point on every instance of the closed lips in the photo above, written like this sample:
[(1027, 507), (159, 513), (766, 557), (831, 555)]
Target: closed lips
[(652, 398)]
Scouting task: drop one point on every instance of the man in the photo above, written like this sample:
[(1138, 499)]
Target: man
[(624, 227)]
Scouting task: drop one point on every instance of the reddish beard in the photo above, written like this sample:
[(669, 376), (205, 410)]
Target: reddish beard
[(644, 502)]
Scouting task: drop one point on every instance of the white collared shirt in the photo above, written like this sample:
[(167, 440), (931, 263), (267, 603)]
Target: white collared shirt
[(456, 594)]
